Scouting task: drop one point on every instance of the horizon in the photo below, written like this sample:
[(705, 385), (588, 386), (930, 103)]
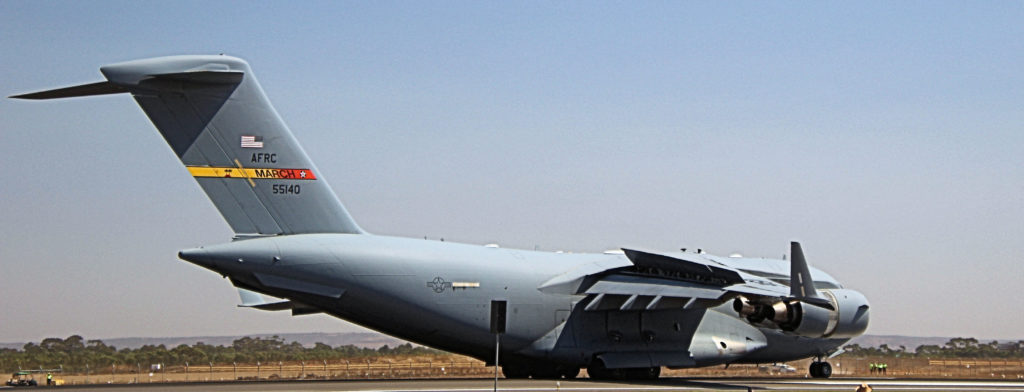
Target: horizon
[(401, 341)]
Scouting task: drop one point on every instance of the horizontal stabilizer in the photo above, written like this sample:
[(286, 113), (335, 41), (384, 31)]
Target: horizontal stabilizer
[(107, 87), (98, 88), (211, 77)]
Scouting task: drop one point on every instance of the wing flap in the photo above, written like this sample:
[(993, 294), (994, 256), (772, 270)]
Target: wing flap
[(625, 293), (675, 268), (657, 282), (652, 289)]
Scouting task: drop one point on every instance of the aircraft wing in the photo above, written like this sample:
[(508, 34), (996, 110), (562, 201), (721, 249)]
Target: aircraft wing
[(656, 281)]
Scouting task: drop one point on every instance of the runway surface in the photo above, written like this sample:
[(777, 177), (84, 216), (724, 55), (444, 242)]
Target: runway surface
[(482, 385)]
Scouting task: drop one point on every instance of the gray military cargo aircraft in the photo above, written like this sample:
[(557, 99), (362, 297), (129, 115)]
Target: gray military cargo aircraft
[(620, 314)]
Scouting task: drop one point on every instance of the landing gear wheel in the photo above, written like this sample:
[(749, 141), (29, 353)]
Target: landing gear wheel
[(569, 372), (515, 371), (545, 371), (597, 371), (652, 373), (821, 370)]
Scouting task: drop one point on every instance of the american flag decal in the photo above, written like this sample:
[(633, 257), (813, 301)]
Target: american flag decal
[(252, 141)]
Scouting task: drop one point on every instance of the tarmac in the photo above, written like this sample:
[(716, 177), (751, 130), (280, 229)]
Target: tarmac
[(579, 385)]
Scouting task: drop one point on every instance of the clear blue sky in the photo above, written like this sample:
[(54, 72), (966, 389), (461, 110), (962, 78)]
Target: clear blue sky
[(886, 136)]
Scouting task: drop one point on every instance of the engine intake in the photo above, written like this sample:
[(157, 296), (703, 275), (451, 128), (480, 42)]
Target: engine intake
[(790, 316)]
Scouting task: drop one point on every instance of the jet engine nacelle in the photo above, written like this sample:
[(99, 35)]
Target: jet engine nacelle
[(779, 313), (809, 320), (849, 317), (853, 308)]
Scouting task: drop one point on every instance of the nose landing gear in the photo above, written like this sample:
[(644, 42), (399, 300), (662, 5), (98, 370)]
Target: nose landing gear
[(820, 369)]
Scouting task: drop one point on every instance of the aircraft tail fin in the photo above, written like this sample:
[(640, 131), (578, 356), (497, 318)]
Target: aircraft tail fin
[(214, 115)]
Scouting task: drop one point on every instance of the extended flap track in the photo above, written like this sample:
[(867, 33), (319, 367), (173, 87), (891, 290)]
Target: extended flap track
[(655, 265)]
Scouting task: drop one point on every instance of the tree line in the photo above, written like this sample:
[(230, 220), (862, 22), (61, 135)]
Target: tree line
[(75, 353), (78, 354), (954, 348)]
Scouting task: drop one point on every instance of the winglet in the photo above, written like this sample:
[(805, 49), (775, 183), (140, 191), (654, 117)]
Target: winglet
[(801, 285)]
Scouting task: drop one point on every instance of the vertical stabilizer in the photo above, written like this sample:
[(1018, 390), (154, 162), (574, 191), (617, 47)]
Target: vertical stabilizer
[(217, 120)]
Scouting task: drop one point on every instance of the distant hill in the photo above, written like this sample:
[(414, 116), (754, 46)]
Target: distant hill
[(895, 341), (360, 339)]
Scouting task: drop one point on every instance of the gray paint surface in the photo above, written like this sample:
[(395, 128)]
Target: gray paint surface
[(615, 311)]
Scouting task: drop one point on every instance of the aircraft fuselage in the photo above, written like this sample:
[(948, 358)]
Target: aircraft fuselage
[(438, 294)]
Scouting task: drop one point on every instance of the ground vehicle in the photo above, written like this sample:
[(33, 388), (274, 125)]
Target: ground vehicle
[(780, 368), (22, 379)]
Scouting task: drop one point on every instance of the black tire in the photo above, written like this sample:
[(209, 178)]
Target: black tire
[(815, 369), (569, 372), (545, 371), (654, 373), (650, 373), (515, 371), (597, 371), (825, 370)]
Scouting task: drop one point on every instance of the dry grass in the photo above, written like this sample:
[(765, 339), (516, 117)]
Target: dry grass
[(453, 366)]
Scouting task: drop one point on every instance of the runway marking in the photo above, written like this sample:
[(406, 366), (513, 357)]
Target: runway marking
[(552, 388), (738, 384), (662, 385)]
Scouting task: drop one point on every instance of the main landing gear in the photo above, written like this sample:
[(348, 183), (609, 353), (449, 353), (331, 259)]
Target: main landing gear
[(539, 370), (598, 371), (820, 369)]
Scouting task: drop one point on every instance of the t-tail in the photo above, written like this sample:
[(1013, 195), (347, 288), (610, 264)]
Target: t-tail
[(216, 118)]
